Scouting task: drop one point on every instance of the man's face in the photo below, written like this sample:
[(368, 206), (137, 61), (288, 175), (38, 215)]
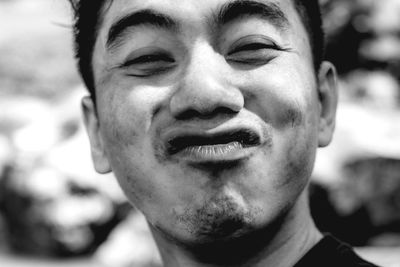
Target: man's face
[(207, 112)]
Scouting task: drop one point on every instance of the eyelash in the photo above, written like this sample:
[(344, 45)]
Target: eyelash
[(150, 58), (257, 46)]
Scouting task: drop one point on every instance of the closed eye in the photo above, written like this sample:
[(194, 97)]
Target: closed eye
[(253, 47), (151, 58), (254, 50), (148, 64)]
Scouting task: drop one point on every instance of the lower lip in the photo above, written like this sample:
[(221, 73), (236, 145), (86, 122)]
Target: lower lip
[(215, 153)]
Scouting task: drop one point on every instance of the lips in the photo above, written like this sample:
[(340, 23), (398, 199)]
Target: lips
[(223, 146)]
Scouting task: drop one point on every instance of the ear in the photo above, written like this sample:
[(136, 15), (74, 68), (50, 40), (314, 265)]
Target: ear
[(328, 98), (99, 156)]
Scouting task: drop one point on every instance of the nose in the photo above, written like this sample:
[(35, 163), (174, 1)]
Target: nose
[(205, 89)]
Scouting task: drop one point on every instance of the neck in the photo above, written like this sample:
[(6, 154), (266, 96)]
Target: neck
[(280, 245)]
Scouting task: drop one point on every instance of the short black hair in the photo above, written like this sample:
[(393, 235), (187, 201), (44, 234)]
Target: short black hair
[(88, 15)]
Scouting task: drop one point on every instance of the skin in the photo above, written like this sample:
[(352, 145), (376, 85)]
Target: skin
[(244, 207)]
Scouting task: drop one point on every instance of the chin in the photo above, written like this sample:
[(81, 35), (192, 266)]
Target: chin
[(219, 219), (227, 234)]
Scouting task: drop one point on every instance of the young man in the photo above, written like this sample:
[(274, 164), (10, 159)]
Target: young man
[(210, 113)]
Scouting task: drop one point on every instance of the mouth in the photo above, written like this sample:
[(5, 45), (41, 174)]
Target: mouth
[(224, 146)]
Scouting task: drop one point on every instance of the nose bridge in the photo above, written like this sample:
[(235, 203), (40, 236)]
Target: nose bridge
[(204, 86)]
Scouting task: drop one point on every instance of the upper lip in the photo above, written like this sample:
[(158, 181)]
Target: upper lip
[(179, 141)]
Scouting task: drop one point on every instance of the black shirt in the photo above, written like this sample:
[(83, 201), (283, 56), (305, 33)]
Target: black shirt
[(330, 252)]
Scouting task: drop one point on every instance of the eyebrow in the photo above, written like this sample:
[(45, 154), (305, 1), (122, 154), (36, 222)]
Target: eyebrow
[(238, 9), (229, 12), (143, 17)]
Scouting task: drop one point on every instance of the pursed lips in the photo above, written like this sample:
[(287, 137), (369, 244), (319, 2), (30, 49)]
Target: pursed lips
[(221, 146)]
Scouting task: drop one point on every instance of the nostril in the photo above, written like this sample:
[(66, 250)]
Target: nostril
[(204, 96), (187, 114), (204, 114), (224, 110)]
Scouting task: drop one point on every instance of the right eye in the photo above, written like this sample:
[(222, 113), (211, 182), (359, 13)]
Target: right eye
[(149, 64)]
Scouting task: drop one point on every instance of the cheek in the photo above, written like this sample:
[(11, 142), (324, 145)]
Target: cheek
[(134, 170), (285, 98), (132, 180), (128, 110), (125, 122), (296, 147), (300, 155), (287, 101)]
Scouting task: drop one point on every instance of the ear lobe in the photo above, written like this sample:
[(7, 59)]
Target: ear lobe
[(99, 156), (328, 98)]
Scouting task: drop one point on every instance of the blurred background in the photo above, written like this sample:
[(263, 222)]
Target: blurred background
[(56, 211)]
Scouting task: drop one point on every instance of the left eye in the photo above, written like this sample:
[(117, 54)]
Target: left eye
[(253, 50), (253, 53), (253, 47)]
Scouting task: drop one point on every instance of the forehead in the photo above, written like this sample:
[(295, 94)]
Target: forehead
[(185, 10)]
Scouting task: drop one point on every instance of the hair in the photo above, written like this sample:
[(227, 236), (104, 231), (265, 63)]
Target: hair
[(88, 17)]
